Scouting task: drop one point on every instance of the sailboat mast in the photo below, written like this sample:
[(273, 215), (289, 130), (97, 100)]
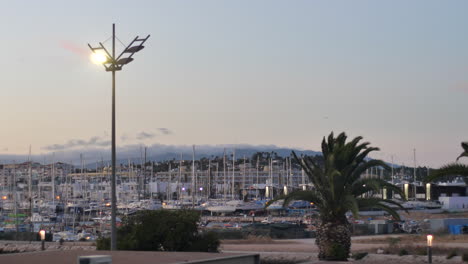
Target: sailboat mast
[(208, 191), (224, 174), (30, 189), (178, 178), (53, 177), (243, 179), (216, 181), (414, 172), (82, 175), (233, 173), (193, 176), (258, 163), (304, 187), (168, 187), (15, 200), (392, 172)]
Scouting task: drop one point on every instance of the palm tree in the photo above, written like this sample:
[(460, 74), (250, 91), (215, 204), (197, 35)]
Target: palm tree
[(451, 169), (339, 188)]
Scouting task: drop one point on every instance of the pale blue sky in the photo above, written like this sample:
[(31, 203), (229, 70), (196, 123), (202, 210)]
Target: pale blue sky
[(232, 72)]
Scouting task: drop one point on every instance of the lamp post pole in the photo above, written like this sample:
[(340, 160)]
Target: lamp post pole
[(113, 180), (112, 63), (429, 248)]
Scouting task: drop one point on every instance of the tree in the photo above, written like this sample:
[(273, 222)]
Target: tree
[(451, 169), (162, 230), (339, 188)]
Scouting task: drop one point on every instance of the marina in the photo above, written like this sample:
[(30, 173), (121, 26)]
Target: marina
[(73, 203)]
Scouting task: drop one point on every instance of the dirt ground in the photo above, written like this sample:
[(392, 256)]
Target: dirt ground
[(421, 216), (305, 250)]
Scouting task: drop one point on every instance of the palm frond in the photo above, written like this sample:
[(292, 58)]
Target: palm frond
[(465, 146), (310, 196), (452, 169), (365, 165), (368, 203)]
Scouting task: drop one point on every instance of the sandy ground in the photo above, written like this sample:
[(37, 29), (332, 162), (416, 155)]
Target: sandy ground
[(305, 250)]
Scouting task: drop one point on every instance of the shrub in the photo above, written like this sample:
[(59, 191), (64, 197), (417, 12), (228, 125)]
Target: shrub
[(359, 256), (422, 251), (103, 243), (403, 252), (465, 257), (452, 254), (207, 242), (162, 231), (393, 241)]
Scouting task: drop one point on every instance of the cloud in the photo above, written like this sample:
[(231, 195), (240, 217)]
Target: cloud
[(124, 137), (165, 131), (145, 135), (77, 143)]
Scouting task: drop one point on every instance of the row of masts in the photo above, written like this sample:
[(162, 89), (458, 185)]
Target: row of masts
[(201, 182)]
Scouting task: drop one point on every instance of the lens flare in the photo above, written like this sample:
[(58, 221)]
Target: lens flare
[(98, 58)]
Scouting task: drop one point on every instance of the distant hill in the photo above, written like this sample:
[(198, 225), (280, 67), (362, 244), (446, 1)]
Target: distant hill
[(156, 152)]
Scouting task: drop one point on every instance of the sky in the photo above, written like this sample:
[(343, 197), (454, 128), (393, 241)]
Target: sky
[(260, 72)]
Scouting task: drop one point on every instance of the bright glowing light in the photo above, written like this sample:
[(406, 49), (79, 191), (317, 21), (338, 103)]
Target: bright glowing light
[(4, 197), (42, 234), (183, 188), (429, 240), (57, 197), (98, 57)]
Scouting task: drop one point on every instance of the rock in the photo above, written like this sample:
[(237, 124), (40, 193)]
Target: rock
[(380, 251)]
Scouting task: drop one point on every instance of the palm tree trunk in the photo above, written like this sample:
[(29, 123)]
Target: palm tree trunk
[(333, 240)]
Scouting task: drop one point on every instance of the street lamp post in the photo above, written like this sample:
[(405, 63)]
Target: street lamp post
[(113, 64), (429, 248), (42, 234)]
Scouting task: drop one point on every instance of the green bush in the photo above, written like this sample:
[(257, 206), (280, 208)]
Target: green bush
[(465, 257), (208, 242), (403, 252), (393, 241), (452, 254), (162, 231), (103, 243), (24, 236)]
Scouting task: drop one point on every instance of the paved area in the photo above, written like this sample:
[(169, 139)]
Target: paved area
[(118, 257)]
